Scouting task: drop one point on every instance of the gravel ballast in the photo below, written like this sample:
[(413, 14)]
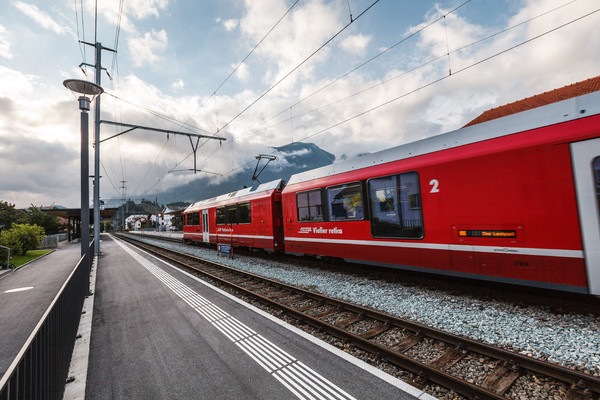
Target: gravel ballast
[(572, 340)]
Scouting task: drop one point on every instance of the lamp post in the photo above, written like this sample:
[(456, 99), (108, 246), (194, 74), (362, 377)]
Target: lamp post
[(84, 88)]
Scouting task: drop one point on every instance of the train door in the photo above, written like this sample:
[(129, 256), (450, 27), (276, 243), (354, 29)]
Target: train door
[(289, 213), (586, 167), (262, 215), (205, 233)]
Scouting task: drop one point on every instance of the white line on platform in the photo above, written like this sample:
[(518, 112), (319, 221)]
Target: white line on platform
[(271, 359), (405, 387)]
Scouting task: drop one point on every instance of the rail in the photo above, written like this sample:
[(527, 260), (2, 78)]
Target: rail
[(39, 371)]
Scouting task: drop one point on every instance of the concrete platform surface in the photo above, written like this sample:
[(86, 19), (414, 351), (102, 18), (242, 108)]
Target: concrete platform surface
[(160, 333), (26, 293)]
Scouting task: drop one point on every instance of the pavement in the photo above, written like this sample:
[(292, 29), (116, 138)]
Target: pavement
[(158, 332), (26, 293)]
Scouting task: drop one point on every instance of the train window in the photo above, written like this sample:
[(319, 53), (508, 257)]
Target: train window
[(244, 213), (232, 214), (309, 206), (396, 206), (193, 218), (345, 202), (221, 216)]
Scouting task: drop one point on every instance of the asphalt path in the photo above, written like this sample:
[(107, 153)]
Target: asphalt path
[(25, 295)]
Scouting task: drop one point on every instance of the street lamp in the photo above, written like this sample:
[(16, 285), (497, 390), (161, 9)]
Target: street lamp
[(84, 88)]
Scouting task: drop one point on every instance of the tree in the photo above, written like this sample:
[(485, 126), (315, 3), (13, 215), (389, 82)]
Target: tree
[(49, 222), (9, 215), (108, 227)]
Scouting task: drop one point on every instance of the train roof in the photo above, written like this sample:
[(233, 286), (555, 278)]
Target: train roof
[(238, 194), (551, 114)]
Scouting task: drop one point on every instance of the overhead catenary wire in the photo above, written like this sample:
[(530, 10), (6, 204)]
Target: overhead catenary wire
[(79, 38), (117, 34), (404, 73), (429, 84), (413, 34), (450, 75), (108, 176), (152, 165), (242, 62), (423, 86), (160, 115), (292, 71), (297, 66)]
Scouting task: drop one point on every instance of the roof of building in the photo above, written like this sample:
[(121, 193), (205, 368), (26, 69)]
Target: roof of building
[(553, 96)]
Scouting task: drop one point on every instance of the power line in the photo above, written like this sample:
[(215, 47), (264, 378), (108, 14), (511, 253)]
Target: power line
[(117, 33), (435, 81), (404, 73), (351, 71), (245, 58), (298, 66), (81, 47), (449, 75), (108, 176), (161, 115), (152, 165), (413, 34)]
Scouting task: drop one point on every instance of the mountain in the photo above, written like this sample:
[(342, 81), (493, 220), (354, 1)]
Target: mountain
[(291, 159)]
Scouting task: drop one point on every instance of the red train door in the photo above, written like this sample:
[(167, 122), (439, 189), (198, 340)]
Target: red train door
[(289, 213), (262, 215), (586, 166)]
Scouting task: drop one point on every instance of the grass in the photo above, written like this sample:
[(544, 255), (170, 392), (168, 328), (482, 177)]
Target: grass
[(19, 260)]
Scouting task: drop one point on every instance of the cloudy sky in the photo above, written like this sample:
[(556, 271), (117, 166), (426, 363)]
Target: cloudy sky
[(351, 76)]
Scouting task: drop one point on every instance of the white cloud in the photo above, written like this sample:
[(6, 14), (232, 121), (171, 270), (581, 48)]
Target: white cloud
[(242, 72), (132, 10), (542, 65), (295, 38), (4, 44), (229, 24), (144, 50), (40, 149), (177, 85), (136, 9), (356, 44), (41, 17)]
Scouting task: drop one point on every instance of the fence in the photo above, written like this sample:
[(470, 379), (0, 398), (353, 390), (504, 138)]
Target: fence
[(40, 369), (51, 241)]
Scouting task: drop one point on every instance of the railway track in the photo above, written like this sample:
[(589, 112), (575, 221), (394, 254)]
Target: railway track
[(399, 341)]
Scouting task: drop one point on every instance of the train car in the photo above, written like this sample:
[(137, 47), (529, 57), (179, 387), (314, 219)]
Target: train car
[(250, 217), (513, 200)]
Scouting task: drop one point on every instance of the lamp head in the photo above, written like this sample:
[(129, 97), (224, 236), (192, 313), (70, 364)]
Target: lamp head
[(83, 87)]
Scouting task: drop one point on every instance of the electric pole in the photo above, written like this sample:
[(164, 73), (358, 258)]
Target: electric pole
[(98, 69), (123, 189)]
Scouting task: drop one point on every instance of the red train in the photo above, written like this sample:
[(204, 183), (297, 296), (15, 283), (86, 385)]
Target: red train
[(514, 200)]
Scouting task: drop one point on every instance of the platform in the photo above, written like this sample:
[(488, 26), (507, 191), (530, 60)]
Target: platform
[(27, 292), (159, 332)]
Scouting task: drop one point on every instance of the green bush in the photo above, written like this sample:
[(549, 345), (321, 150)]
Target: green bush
[(21, 238), (10, 239)]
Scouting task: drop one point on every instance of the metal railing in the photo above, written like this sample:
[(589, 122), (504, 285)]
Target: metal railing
[(40, 369), (51, 241)]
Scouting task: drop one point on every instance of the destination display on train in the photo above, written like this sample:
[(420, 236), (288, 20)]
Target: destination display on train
[(487, 233)]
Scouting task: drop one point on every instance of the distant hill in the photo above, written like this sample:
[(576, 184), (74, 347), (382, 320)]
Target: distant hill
[(291, 159)]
